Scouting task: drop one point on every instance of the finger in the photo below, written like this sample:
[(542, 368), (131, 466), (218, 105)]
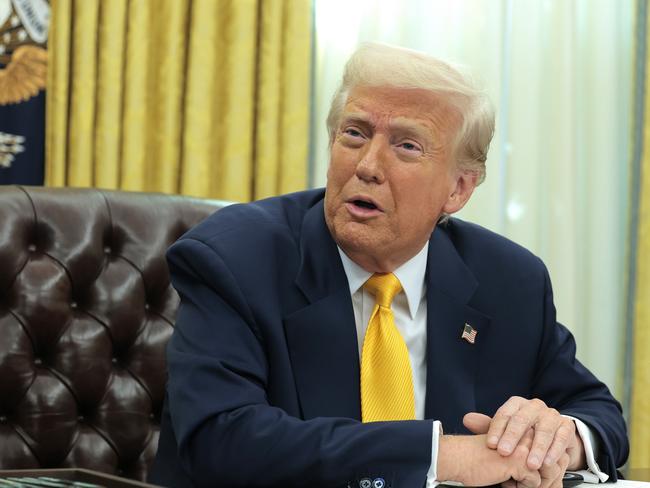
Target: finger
[(530, 479), (549, 475), (557, 482), (519, 423), (524, 445), (477, 423), (527, 439), (563, 437), (576, 452), (509, 484), (501, 419), (526, 478), (548, 422), (563, 463)]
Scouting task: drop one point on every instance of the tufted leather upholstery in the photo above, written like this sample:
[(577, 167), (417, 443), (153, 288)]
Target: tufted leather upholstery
[(86, 309)]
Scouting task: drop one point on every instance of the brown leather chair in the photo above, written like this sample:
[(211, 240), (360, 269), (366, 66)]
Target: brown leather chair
[(86, 309)]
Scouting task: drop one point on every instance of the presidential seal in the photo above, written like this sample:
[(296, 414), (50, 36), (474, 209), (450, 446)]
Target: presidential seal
[(23, 57), (10, 145)]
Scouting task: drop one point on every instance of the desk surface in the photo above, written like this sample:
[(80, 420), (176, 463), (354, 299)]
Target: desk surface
[(74, 474), (637, 478), (619, 484)]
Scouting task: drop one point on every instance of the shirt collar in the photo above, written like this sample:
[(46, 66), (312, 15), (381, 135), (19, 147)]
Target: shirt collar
[(410, 275)]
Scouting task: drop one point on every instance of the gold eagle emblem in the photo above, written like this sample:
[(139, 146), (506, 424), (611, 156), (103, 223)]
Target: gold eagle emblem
[(23, 57), (10, 145), (24, 76)]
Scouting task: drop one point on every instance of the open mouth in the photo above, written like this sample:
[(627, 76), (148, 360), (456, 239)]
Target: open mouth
[(364, 204), (363, 207)]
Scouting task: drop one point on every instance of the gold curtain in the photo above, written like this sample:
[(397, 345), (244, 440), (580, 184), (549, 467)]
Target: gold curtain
[(199, 97), (640, 407)]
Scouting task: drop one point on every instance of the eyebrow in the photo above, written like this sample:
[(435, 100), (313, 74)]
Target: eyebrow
[(409, 126), (356, 117), (401, 124)]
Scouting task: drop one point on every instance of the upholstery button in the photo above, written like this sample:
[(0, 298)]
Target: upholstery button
[(31, 248), (38, 361)]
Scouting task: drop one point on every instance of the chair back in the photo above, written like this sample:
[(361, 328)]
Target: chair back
[(86, 309)]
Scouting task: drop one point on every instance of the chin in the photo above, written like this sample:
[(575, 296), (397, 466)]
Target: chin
[(355, 237)]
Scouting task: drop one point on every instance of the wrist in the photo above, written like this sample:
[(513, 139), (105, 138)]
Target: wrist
[(577, 456), (448, 459), (468, 460)]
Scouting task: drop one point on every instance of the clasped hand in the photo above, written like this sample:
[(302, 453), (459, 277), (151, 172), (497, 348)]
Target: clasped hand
[(526, 444)]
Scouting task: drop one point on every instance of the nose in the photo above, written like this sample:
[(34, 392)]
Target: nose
[(370, 166)]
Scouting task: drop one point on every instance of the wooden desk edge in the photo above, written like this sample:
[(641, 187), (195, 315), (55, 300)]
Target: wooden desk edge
[(79, 474)]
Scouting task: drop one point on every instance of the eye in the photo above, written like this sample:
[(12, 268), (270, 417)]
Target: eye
[(352, 137), (410, 148), (351, 131)]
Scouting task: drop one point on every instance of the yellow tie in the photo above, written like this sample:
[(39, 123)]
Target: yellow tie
[(386, 378)]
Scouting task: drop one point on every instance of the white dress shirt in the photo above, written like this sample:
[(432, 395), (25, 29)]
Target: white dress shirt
[(410, 311)]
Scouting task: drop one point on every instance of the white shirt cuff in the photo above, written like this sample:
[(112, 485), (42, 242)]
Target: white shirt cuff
[(590, 443), (433, 467), (432, 475)]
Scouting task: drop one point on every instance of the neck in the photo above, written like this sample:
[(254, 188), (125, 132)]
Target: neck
[(374, 264)]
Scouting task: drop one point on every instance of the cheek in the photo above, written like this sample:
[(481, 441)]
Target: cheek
[(341, 167), (422, 196), (329, 173)]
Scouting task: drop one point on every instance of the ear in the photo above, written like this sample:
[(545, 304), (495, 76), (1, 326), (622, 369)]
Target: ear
[(465, 182)]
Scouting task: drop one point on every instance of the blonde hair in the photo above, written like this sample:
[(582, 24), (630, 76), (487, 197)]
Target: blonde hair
[(374, 64)]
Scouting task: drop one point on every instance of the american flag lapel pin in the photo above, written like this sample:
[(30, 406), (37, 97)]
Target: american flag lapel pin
[(469, 334)]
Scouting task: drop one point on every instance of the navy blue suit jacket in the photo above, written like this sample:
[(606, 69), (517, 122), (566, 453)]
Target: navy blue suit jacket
[(263, 365)]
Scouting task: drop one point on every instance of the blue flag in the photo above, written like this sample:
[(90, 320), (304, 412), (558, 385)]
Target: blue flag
[(23, 73)]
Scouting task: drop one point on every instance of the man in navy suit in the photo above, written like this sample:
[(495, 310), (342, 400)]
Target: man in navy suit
[(266, 364)]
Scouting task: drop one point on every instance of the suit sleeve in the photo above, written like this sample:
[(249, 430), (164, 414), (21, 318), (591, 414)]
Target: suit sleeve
[(565, 384), (226, 429)]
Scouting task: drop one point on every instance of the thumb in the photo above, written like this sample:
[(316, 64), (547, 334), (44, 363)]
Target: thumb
[(477, 423)]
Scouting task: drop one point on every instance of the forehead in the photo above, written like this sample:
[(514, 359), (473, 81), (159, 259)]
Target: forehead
[(401, 107)]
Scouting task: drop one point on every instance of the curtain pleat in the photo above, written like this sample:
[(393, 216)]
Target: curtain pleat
[(110, 69), (203, 93), (83, 94), (640, 411), (296, 94), (269, 99), (281, 97), (136, 123), (168, 92), (58, 88), (239, 47), (640, 405), (200, 97)]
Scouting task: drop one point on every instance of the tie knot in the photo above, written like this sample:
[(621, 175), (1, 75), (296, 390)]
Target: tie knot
[(384, 287)]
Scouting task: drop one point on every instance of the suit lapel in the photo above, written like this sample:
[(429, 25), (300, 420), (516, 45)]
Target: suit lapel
[(322, 337), (451, 361)]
